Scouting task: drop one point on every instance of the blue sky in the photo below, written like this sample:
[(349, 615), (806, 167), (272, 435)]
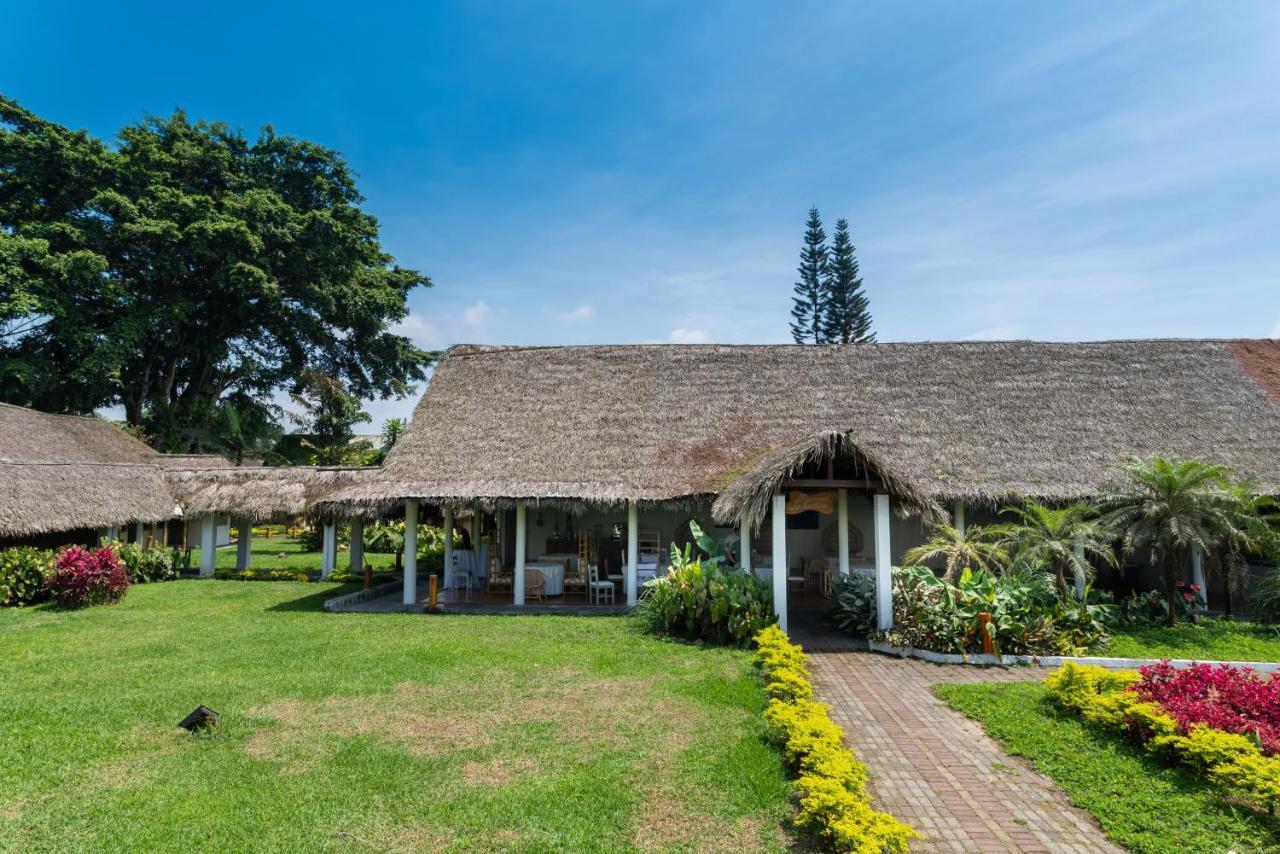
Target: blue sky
[(604, 172)]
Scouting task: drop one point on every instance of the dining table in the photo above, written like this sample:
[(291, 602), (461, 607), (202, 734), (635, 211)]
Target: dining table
[(552, 576)]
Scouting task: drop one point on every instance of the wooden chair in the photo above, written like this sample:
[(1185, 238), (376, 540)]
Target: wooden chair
[(575, 580), (597, 590), (534, 585), (796, 577), (499, 578), (815, 575)]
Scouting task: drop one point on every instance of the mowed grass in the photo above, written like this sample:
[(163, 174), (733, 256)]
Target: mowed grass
[(372, 732), (281, 552), (1141, 803), (1210, 639)]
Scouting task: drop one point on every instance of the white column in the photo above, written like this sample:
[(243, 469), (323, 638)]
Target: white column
[(1080, 577), (410, 552), (208, 544), (357, 546), (842, 524), (329, 552), (744, 533), (1197, 573), (518, 582), (448, 545), (633, 551), (884, 565), (957, 516), (244, 543), (780, 559)]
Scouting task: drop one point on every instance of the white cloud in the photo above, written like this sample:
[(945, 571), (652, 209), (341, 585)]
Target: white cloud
[(420, 331), (584, 312), (690, 336), (476, 315), (1275, 330), (995, 333)]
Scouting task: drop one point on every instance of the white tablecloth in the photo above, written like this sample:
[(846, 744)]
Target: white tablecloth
[(472, 560), (561, 557), (552, 576)]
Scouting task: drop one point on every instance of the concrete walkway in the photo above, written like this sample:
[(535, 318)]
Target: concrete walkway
[(935, 768)]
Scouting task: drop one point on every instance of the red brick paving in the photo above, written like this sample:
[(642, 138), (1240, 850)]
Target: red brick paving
[(935, 768)]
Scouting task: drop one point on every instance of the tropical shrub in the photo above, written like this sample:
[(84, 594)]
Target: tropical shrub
[(1152, 606), (1132, 703), (24, 572), (853, 604), (384, 537), (154, 563), (1231, 699), (1027, 617), (88, 577), (831, 784), (708, 603), (1266, 596)]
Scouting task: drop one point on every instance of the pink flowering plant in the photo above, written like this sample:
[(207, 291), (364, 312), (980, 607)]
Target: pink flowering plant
[(1231, 699), (88, 577)]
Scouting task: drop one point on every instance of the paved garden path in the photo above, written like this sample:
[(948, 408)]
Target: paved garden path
[(935, 768)]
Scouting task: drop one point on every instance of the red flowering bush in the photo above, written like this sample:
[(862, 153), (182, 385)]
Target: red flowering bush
[(1231, 699), (82, 577)]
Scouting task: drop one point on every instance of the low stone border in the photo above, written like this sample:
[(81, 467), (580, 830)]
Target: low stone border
[(340, 603), (983, 660)]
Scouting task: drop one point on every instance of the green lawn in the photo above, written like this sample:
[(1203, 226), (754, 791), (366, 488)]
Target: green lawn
[(282, 552), (1141, 803), (1214, 640), (372, 732)]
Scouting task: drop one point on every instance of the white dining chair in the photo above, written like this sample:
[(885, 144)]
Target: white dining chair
[(597, 590)]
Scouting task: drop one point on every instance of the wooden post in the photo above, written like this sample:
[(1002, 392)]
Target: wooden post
[(988, 646), (433, 591)]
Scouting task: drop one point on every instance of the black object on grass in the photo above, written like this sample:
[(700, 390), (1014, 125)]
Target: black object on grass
[(202, 717)]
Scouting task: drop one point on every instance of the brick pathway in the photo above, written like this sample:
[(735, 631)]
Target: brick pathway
[(935, 768)]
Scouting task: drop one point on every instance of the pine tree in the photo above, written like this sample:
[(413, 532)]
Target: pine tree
[(809, 307), (846, 317)]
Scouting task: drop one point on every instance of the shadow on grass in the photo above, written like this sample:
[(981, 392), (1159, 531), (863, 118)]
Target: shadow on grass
[(312, 601)]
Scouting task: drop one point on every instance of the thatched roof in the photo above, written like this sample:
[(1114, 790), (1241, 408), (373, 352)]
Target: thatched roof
[(37, 498), (980, 421), (27, 435), (260, 494), (65, 472)]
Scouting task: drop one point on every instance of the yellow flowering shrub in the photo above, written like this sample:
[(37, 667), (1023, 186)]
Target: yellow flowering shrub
[(832, 783)]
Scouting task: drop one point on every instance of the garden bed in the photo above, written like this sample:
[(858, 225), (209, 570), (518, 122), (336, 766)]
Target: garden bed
[(1141, 802)]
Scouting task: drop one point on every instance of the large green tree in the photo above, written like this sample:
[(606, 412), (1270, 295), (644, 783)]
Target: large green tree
[(809, 303), (184, 264), (846, 312)]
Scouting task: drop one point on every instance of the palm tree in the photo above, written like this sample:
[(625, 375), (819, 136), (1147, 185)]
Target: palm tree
[(976, 547), (1061, 539), (1173, 509)]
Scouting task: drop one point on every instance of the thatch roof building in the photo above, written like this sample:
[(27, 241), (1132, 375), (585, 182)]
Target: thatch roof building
[(980, 422), (67, 472)]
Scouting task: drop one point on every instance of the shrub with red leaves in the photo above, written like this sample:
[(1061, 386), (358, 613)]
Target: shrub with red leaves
[(1233, 699), (82, 577)]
